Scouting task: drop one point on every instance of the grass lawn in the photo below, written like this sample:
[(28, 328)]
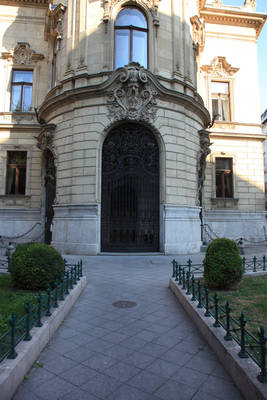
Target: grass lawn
[(251, 298), (12, 300)]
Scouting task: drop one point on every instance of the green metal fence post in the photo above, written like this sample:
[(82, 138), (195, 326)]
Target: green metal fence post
[(199, 288), (39, 310), (28, 316), (193, 298), (176, 272), (75, 274), (173, 268), (207, 313), (56, 294), (242, 353), (180, 275), (264, 263), (62, 288), (216, 307), (254, 264), (244, 264), (262, 377), (188, 282), (67, 283), (48, 304), (78, 270), (183, 272), (189, 263), (71, 278), (12, 322), (228, 335)]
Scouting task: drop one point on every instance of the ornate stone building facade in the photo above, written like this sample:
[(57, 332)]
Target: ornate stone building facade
[(108, 141)]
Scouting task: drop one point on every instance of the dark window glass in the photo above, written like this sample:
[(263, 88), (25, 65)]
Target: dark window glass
[(16, 172), (130, 37), (21, 92), (224, 177)]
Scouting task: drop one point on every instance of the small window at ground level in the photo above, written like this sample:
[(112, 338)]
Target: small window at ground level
[(220, 100), (16, 172), (224, 177), (130, 37), (21, 91)]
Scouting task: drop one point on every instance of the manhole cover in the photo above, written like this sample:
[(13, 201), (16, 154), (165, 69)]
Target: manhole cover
[(124, 304)]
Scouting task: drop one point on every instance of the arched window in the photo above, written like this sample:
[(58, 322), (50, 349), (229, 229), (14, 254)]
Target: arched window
[(130, 37)]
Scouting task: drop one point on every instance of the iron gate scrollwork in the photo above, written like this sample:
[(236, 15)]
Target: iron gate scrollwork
[(130, 190)]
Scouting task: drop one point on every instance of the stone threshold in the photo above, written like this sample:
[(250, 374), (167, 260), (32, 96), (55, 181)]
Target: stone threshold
[(243, 371), (12, 372), (131, 254)]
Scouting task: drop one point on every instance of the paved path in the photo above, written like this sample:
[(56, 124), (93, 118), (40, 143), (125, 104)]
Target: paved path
[(150, 351)]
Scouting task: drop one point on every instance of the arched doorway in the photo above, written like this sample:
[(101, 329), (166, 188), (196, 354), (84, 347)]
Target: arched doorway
[(130, 190), (50, 192)]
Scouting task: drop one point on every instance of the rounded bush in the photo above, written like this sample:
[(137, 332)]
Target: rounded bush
[(222, 264), (35, 266)]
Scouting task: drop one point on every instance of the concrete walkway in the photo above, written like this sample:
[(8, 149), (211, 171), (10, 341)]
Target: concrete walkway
[(149, 351)]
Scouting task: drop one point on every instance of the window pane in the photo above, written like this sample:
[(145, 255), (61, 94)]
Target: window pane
[(27, 98), (16, 172), (22, 76), (225, 110), (16, 97), (228, 184), (219, 87), (219, 184), (122, 47), (215, 107), (140, 47), (131, 16)]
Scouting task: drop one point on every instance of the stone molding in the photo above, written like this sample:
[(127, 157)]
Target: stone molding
[(23, 55), (152, 5), (45, 140), (204, 151), (239, 17), (250, 4), (132, 96), (219, 67), (54, 23)]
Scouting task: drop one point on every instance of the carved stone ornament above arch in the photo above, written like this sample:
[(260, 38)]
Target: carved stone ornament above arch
[(219, 67), (152, 5), (23, 55), (132, 96)]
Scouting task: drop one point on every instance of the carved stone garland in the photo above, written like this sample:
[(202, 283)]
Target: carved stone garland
[(45, 140), (133, 97), (198, 33), (23, 55)]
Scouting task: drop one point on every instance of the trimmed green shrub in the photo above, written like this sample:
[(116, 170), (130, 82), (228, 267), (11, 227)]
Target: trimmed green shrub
[(222, 264), (34, 266)]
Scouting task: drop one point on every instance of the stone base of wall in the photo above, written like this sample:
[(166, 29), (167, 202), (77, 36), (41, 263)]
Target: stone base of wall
[(236, 224), (19, 225), (182, 233), (76, 229)]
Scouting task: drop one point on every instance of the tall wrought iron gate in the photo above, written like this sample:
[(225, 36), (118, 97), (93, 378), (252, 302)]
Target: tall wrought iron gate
[(130, 190), (50, 193)]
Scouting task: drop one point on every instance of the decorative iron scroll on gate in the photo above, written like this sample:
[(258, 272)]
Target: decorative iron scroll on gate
[(130, 190)]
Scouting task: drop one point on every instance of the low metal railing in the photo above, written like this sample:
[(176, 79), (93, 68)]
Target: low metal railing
[(20, 329), (249, 265), (250, 345)]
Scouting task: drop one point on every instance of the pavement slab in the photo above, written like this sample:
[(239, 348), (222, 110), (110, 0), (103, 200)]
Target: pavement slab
[(149, 351)]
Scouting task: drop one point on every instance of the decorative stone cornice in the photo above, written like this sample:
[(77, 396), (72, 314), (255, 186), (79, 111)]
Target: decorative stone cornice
[(45, 140), (132, 96), (26, 2), (219, 67), (54, 22), (204, 151), (198, 33), (239, 17), (152, 5), (23, 55)]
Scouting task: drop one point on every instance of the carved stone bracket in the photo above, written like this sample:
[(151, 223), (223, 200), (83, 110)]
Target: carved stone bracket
[(198, 28), (204, 151), (23, 55), (219, 67), (108, 6), (132, 96), (45, 140), (54, 23)]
